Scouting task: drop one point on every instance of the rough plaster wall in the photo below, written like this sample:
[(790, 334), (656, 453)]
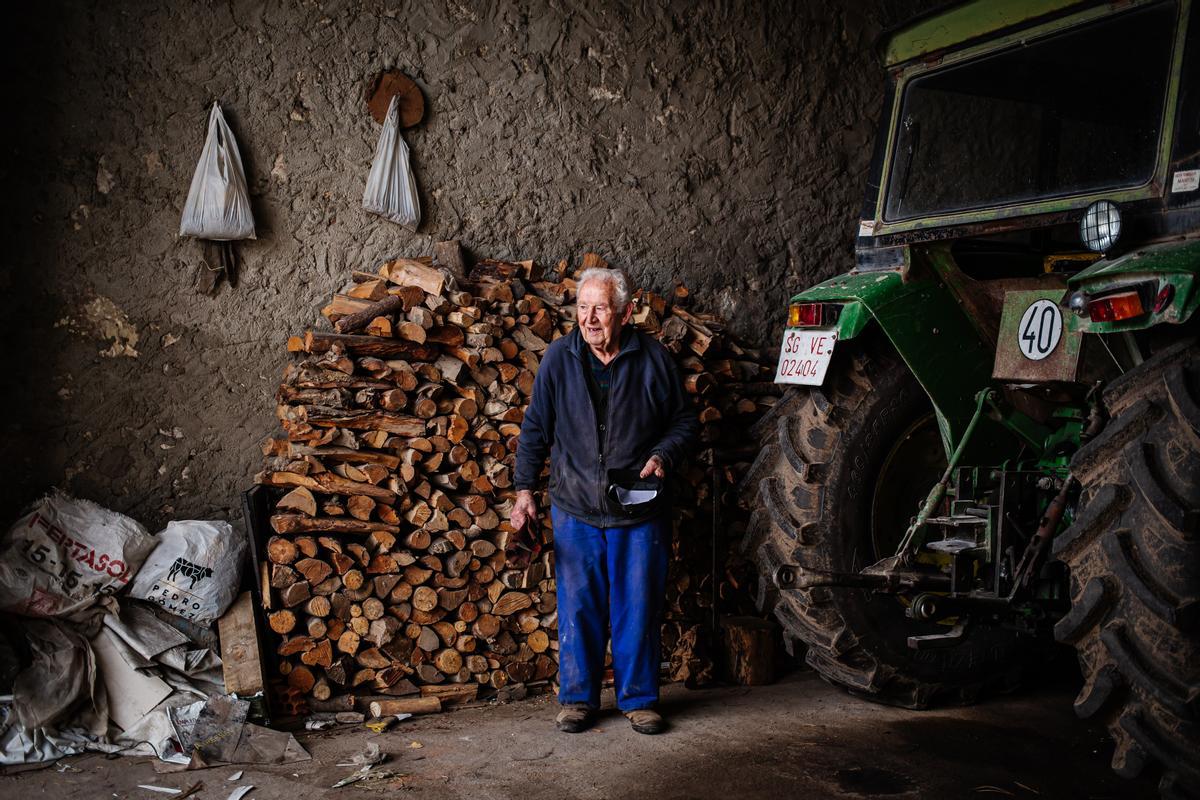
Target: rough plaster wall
[(723, 144)]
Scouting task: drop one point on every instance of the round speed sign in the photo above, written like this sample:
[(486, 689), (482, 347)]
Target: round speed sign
[(1040, 329)]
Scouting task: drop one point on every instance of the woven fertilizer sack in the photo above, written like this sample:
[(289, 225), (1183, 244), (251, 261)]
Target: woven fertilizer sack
[(65, 554), (195, 570)]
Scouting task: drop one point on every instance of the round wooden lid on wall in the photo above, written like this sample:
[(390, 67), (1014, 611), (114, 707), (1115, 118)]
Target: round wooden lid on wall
[(394, 82)]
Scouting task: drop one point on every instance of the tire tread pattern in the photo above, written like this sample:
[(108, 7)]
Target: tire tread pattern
[(1134, 556)]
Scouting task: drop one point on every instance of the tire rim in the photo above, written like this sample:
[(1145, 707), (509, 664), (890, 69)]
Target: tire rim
[(909, 470)]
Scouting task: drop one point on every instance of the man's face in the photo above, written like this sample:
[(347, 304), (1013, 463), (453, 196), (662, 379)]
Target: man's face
[(599, 322)]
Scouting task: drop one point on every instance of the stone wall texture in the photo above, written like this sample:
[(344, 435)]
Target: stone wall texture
[(723, 144)]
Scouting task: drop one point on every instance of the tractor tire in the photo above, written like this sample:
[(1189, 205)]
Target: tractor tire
[(841, 471), (1134, 554)]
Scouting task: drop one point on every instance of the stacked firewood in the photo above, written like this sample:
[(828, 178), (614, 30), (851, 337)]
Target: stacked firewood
[(732, 386), (387, 571)]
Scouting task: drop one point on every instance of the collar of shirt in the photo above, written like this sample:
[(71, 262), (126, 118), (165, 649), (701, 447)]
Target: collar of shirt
[(628, 340)]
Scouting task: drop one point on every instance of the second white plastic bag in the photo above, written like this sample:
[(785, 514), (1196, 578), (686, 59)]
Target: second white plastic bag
[(391, 188), (195, 570), (218, 204)]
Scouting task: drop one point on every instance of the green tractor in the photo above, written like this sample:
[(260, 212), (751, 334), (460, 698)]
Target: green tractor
[(993, 440)]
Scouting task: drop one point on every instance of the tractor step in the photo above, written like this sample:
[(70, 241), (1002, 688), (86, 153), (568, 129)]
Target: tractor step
[(952, 546), (958, 521), (960, 532)]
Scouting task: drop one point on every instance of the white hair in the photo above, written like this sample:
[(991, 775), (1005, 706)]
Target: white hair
[(614, 278)]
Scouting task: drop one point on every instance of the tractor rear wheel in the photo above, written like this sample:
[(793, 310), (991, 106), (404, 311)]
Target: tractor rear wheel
[(842, 470), (1134, 554)]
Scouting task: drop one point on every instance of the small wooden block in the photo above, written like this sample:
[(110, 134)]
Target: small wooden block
[(748, 650)]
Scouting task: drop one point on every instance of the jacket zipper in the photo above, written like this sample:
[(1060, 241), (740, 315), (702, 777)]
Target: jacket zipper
[(603, 428), (584, 366)]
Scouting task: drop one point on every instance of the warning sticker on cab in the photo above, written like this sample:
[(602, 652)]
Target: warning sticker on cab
[(804, 356), (1185, 180)]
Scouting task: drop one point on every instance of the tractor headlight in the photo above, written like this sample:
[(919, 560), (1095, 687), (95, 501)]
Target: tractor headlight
[(1101, 226)]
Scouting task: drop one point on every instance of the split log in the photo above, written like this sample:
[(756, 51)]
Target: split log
[(413, 705), (424, 598), (282, 621), (295, 644), (299, 499), (511, 602), (295, 594), (448, 661), (453, 694), (428, 640), (353, 579), (294, 523), (359, 319), (360, 507), (325, 482), (399, 424), (317, 343), (412, 332), (282, 551), (313, 570), (320, 655), (348, 642), (302, 679), (410, 272)]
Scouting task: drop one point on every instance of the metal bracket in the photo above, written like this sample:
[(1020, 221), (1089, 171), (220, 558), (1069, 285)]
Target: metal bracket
[(934, 641), (939, 490), (888, 578)]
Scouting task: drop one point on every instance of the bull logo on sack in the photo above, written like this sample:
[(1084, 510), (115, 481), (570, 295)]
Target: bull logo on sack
[(187, 569)]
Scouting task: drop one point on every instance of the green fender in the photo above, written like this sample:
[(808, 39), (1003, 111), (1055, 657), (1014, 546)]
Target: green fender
[(934, 337), (1169, 263)]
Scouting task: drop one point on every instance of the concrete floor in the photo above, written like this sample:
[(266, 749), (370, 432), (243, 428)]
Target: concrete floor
[(798, 738)]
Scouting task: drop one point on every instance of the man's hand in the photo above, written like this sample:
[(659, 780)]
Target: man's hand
[(518, 552), (653, 466), (524, 510)]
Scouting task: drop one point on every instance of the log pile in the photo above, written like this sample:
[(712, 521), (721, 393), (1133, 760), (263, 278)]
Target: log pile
[(386, 575), (732, 386)]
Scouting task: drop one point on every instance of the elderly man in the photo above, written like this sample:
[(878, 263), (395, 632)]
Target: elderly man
[(609, 409)]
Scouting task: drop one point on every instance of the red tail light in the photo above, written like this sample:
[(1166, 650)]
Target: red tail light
[(804, 315), (1116, 307), (1165, 295)]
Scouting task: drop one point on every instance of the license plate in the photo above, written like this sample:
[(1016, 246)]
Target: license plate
[(804, 356)]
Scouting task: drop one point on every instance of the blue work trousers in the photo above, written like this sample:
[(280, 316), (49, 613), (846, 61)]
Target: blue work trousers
[(610, 578)]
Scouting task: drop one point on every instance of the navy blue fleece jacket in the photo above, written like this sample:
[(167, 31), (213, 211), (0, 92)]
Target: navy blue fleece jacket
[(648, 414)]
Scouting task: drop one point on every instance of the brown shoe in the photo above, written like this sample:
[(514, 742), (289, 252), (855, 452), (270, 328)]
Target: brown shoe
[(646, 720), (575, 718)]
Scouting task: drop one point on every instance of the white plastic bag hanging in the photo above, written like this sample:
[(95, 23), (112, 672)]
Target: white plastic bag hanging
[(218, 204), (391, 188)]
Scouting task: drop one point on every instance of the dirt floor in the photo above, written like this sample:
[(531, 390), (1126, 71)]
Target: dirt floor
[(797, 738)]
